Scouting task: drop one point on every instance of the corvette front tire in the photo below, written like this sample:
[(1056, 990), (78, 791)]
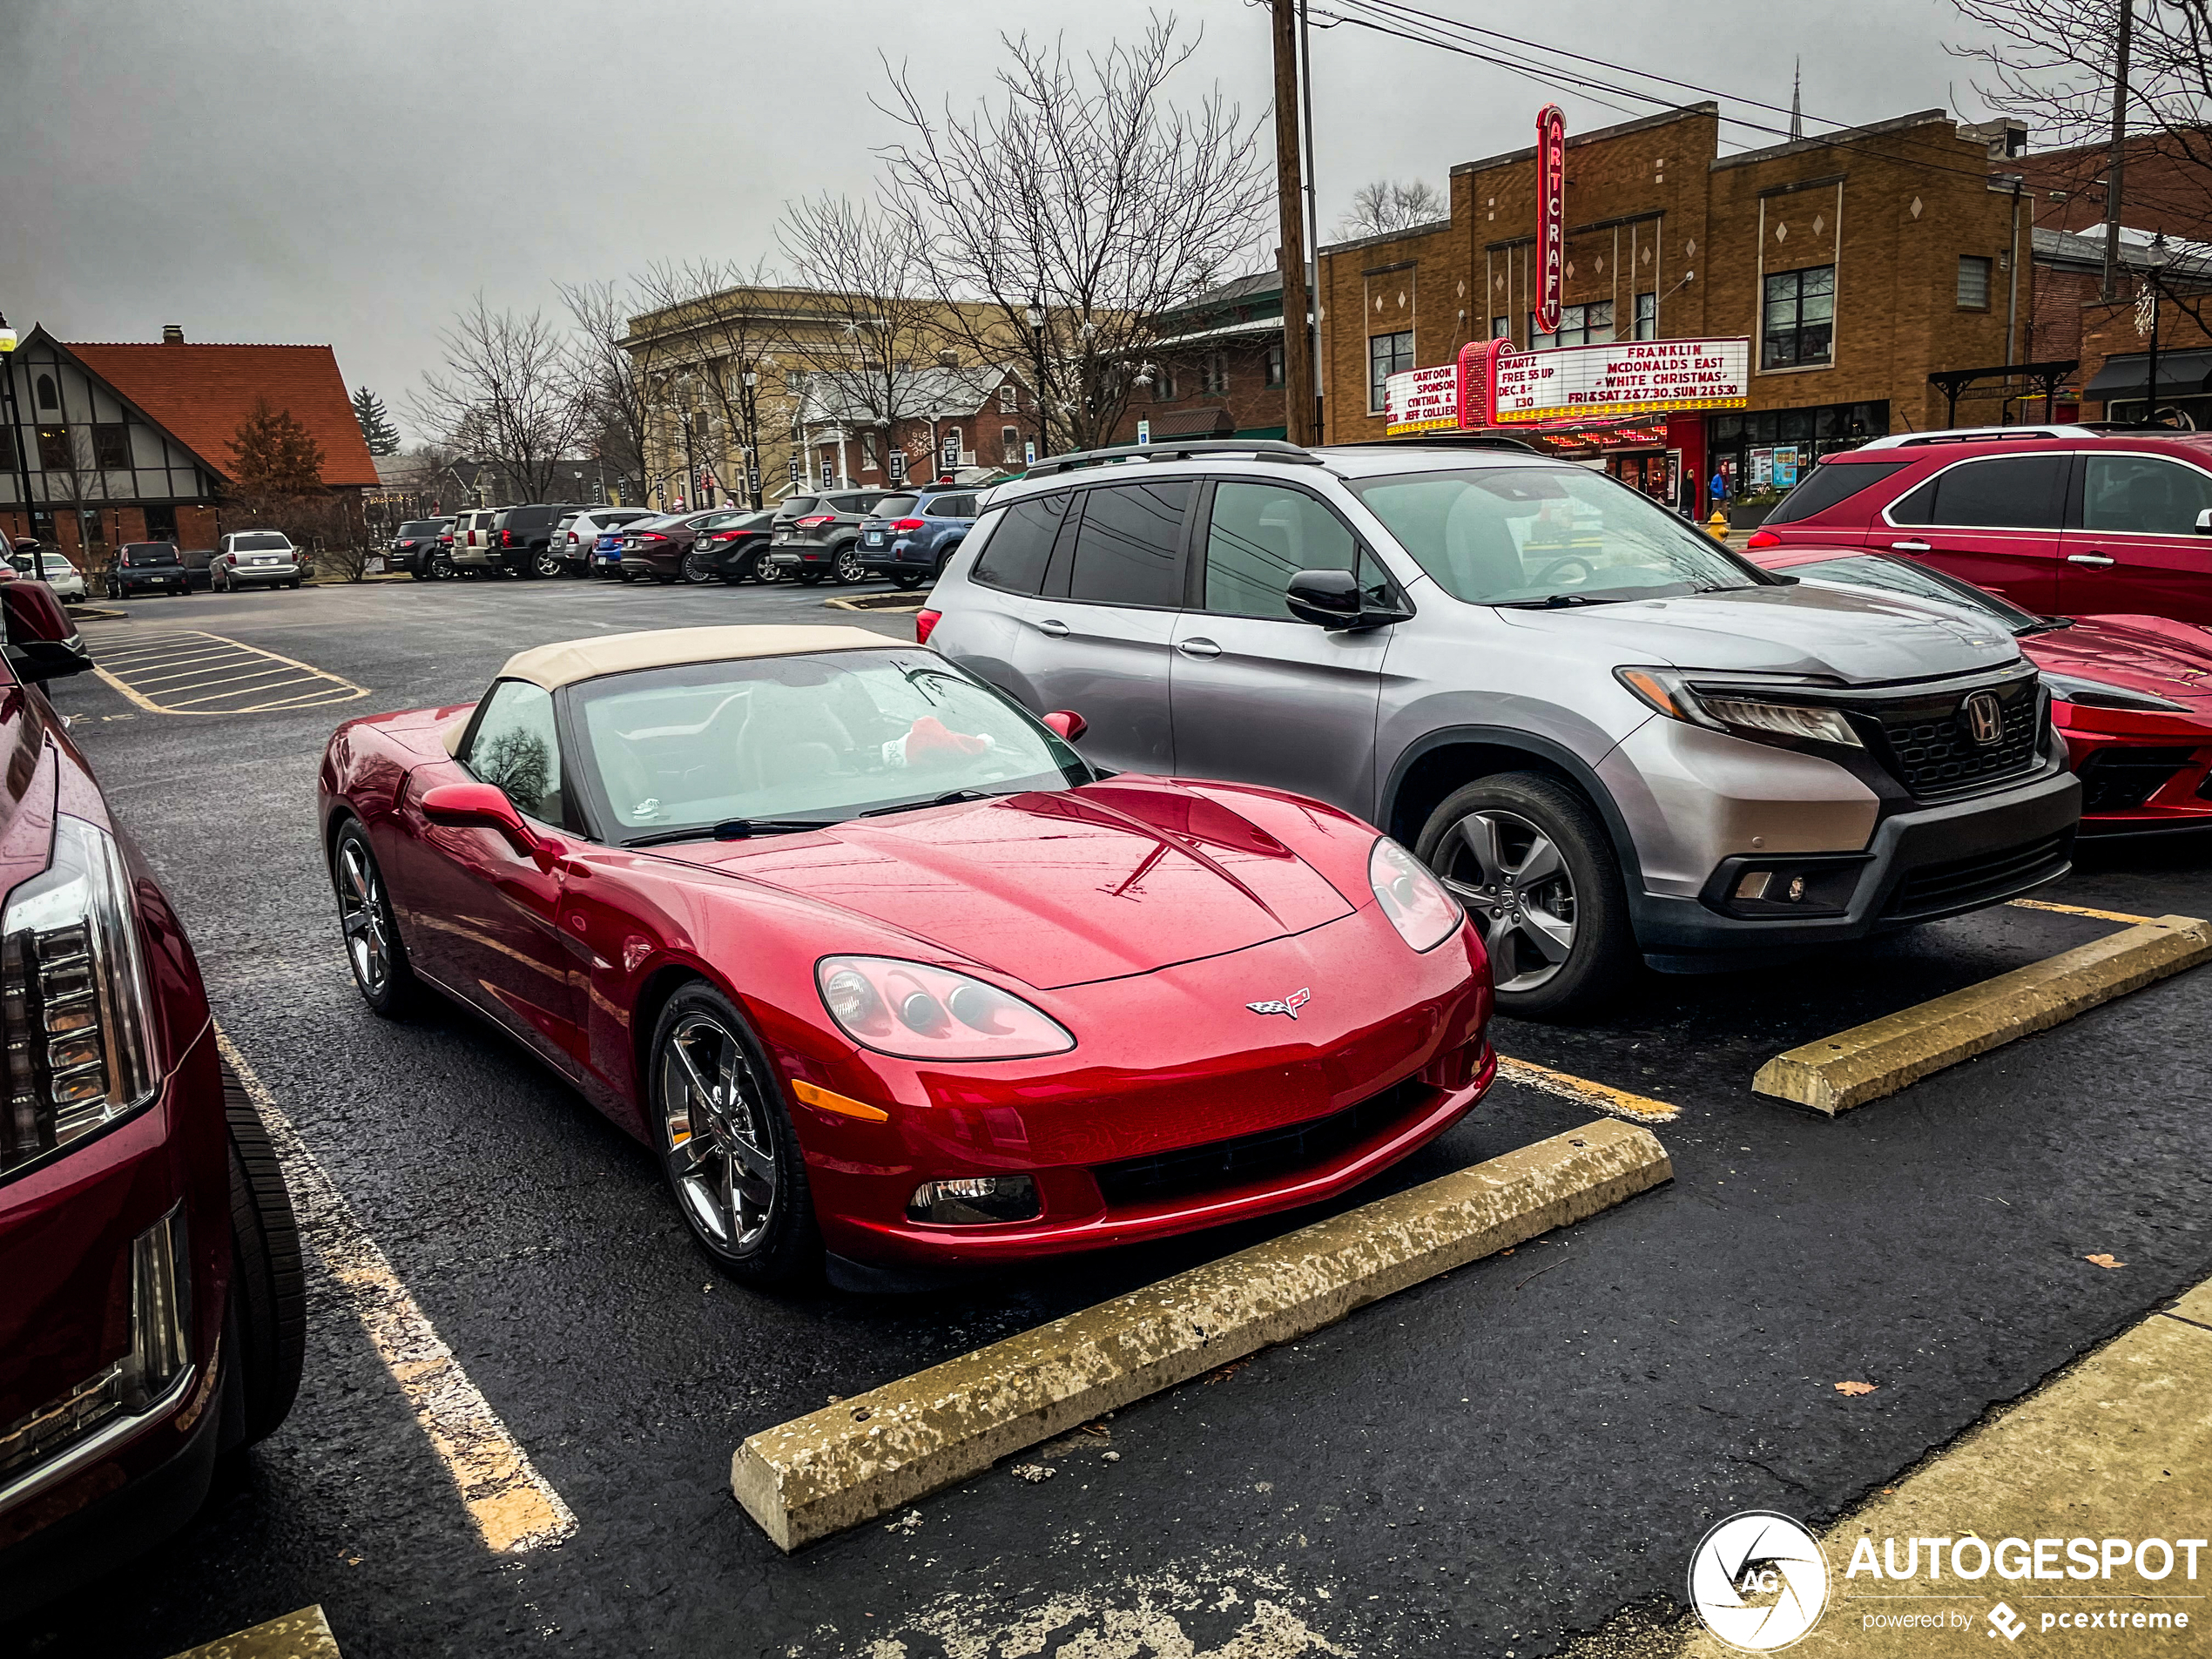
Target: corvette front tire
[(369, 929), (727, 1144)]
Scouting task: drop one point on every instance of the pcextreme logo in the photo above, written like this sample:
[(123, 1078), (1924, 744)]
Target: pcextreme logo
[(1759, 1581)]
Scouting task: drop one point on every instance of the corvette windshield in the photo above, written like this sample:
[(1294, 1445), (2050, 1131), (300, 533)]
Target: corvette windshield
[(777, 740), (1545, 535)]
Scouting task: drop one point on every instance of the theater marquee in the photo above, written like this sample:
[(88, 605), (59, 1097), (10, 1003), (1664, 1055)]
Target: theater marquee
[(1636, 377)]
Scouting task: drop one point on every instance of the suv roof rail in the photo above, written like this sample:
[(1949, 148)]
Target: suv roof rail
[(1975, 435), (1258, 448)]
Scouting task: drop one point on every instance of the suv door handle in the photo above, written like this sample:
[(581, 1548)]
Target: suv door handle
[(1911, 547), (2098, 560), (1053, 628), (1197, 648)]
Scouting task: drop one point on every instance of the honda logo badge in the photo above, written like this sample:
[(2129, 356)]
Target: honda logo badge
[(1985, 718)]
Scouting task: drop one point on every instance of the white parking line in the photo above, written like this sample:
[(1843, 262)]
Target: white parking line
[(513, 1507)]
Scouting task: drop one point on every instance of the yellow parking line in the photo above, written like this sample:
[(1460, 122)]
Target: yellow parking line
[(2076, 910), (1638, 1108), (258, 673), (305, 701), (514, 1507), (149, 674), (200, 668)]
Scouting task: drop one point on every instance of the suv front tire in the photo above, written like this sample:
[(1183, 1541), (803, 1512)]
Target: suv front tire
[(1535, 869)]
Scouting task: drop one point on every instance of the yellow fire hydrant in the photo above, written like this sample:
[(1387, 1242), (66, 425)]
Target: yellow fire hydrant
[(1717, 526)]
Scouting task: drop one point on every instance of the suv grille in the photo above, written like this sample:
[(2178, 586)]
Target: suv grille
[(1928, 747), (1254, 1157), (2118, 781), (1963, 884)]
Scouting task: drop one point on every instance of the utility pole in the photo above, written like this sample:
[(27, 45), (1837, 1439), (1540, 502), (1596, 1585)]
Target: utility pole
[(1298, 346), (2117, 165), (1312, 220)]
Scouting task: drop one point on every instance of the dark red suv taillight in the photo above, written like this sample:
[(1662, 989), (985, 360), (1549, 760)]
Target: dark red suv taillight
[(507, 538)]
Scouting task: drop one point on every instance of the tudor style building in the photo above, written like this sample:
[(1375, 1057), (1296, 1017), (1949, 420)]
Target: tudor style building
[(109, 443)]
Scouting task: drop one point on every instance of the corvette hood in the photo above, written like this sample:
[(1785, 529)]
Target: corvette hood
[(2169, 659), (1055, 889), (1856, 635)]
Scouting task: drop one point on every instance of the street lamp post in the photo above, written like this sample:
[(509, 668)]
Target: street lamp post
[(15, 426), (1035, 315), (2154, 262)]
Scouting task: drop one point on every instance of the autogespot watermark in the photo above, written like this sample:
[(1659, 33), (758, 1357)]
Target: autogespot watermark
[(1761, 1583)]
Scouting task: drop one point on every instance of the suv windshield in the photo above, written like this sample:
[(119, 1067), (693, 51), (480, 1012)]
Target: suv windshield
[(773, 739), (149, 553), (265, 542), (1545, 535)]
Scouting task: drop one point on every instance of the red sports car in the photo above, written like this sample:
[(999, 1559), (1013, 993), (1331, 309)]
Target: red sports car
[(2132, 695), (883, 969)]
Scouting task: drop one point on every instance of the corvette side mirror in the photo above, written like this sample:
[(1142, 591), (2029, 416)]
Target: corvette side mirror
[(479, 806), (43, 643), (1068, 724)]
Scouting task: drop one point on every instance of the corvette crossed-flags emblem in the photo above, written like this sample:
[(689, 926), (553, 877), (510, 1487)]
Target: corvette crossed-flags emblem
[(1289, 1005)]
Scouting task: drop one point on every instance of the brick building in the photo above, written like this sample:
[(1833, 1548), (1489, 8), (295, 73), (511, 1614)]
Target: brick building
[(112, 443), (1857, 263), (983, 415), (1217, 371)]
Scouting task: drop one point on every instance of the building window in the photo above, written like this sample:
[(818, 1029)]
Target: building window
[(1800, 321), (1010, 445), (1164, 384), (1974, 282), (1647, 316), (1578, 325), (1387, 355), (110, 447), (1275, 366), (1214, 373), (55, 452), (870, 451), (1501, 327), (48, 397), (1006, 399)]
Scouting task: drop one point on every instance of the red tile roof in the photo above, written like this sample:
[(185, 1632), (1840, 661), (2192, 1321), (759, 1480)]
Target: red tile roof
[(202, 393)]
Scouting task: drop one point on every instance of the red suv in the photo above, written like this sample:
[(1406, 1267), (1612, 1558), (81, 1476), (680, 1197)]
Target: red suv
[(152, 1315), (2062, 520)]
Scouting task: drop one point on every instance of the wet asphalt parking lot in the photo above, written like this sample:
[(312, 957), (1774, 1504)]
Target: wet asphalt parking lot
[(1489, 1463)]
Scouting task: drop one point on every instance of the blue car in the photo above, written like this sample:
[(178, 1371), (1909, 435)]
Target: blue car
[(910, 535)]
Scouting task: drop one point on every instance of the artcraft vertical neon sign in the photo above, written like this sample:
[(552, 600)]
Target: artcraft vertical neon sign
[(1551, 214)]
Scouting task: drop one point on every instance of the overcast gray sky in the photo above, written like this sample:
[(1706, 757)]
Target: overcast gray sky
[(313, 171)]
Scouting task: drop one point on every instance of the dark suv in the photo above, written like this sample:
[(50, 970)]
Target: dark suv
[(522, 538), (909, 537), (819, 536), (155, 1313), (147, 566), (2062, 520)]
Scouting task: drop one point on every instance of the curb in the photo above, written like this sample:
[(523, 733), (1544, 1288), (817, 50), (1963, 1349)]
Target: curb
[(1880, 1057), (304, 1634), (896, 603), (865, 1456)]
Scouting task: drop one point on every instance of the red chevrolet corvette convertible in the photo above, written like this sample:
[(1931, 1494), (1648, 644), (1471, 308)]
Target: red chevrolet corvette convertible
[(883, 969)]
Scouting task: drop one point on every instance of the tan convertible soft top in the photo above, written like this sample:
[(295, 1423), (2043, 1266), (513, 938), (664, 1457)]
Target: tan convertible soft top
[(553, 666)]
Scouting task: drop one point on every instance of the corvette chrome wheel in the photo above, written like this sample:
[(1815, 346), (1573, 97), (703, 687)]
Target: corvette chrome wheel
[(716, 1134), (360, 916), (1511, 878)]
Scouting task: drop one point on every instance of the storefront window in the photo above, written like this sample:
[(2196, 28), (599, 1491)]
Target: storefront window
[(1578, 325), (1647, 316), (1387, 355), (1800, 320)]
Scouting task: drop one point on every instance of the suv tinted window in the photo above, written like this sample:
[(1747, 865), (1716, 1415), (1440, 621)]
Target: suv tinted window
[(421, 527), (264, 542), (1129, 549), (515, 749), (1020, 546), (1828, 484), (855, 502), (2001, 492), (2143, 495), (796, 507), (895, 506), (951, 507), (1260, 537)]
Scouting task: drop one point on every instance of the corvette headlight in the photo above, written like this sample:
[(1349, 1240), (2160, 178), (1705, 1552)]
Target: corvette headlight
[(2095, 694), (72, 998), (923, 1013), (1415, 900), (1664, 690)]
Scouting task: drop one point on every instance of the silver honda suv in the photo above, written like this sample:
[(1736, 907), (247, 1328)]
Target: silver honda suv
[(1608, 734)]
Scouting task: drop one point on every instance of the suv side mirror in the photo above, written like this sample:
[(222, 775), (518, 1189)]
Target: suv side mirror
[(2204, 521), (479, 806), (1332, 599), (43, 643)]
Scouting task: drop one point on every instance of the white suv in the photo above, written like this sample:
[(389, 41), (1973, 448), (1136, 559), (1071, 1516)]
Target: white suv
[(254, 559)]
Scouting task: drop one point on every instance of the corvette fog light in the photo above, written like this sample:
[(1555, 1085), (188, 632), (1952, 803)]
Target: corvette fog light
[(970, 1199)]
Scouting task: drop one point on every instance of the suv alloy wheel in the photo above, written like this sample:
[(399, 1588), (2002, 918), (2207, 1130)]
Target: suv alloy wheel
[(547, 563), (848, 566)]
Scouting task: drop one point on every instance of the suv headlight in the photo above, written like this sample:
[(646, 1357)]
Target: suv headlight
[(1423, 913), (2095, 694), (72, 999), (919, 1012), (1739, 712)]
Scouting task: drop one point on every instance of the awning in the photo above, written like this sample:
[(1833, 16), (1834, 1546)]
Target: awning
[(1193, 424), (2180, 373)]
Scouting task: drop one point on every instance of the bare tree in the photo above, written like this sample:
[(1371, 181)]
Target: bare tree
[(724, 325), (1390, 205), (870, 317), (1079, 205), (2055, 66), (611, 379), (512, 392)]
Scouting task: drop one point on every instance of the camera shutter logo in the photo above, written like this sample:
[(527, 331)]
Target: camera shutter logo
[(1759, 1581), (1985, 718)]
